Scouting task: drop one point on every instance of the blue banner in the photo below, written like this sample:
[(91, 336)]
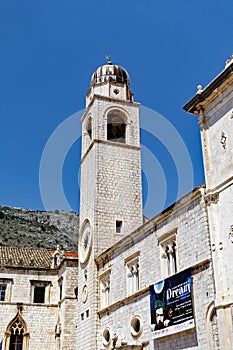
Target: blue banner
[(171, 305)]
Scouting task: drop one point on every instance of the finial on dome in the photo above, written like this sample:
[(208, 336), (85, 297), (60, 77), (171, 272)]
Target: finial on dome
[(108, 57)]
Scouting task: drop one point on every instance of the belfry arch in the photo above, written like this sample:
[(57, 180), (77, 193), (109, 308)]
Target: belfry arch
[(116, 126), (89, 127)]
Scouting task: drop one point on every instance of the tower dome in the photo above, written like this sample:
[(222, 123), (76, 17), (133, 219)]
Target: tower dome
[(111, 81), (110, 72)]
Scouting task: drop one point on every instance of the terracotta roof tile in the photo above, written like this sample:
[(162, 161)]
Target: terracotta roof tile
[(66, 254), (25, 257), (71, 254)]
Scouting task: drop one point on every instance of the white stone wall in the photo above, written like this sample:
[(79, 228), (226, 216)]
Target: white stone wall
[(88, 189), (217, 143), (107, 89), (68, 311), (217, 148), (111, 176), (87, 318), (110, 191), (119, 190), (40, 319), (190, 223), (21, 287)]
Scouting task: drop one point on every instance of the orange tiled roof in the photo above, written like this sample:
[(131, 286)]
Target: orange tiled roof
[(71, 254), (25, 257), (66, 254)]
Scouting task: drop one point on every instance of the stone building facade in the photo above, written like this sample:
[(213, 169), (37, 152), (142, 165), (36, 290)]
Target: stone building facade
[(128, 313), (164, 283), (38, 298), (120, 264), (214, 107)]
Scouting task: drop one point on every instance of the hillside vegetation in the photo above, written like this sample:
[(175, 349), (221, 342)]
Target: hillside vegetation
[(38, 229)]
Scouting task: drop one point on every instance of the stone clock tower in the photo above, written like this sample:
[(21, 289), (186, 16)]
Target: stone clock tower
[(111, 191)]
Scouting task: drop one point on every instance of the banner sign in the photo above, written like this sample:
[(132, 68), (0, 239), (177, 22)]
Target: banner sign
[(171, 305)]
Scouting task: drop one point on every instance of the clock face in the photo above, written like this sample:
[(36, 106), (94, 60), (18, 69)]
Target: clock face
[(84, 294), (85, 241)]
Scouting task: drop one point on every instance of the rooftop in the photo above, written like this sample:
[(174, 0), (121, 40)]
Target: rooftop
[(29, 257), (193, 106)]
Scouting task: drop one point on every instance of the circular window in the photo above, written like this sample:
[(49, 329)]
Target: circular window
[(136, 326), (106, 336)]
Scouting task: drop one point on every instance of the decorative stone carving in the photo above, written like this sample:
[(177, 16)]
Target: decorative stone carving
[(212, 198), (114, 340), (220, 246), (106, 284), (163, 255), (199, 89), (57, 257), (231, 234), (134, 268), (228, 61), (20, 307), (223, 139)]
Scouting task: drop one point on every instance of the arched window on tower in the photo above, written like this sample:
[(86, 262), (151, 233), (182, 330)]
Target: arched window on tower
[(89, 127), (116, 126), (87, 133)]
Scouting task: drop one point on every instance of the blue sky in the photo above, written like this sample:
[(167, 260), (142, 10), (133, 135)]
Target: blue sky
[(49, 49)]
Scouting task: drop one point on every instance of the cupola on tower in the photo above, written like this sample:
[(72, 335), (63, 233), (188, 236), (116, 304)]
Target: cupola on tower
[(111, 191)]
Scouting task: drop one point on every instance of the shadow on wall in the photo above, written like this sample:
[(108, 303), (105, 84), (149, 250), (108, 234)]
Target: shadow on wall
[(184, 340)]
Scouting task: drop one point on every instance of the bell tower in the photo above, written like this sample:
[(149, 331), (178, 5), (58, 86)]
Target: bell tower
[(111, 190)]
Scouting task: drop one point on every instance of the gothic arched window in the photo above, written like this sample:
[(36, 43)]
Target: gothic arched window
[(16, 339), (16, 334), (116, 126)]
